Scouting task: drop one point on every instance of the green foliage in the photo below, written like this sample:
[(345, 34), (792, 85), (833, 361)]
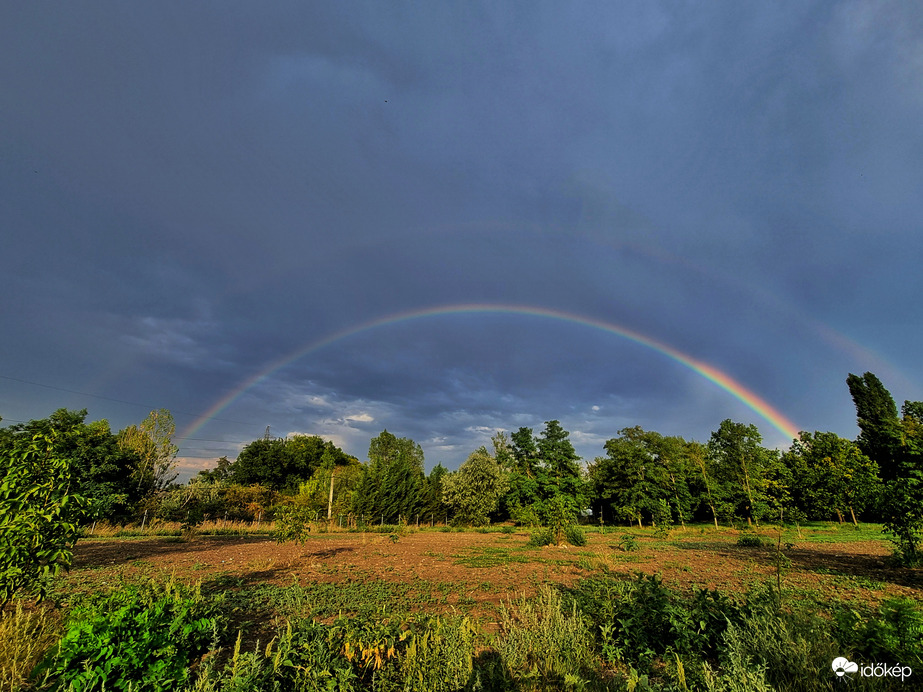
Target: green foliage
[(643, 474), (640, 620), (543, 645), (152, 442), (830, 476), (574, 535), (474, 491), (140, 638), (790, 649), (892, 634), (40, 515), (541, 537), (896, 444), (750, 540), (292, 523), (628, 543), (393, 483), (283, 464), (101, 470), (744, 471)]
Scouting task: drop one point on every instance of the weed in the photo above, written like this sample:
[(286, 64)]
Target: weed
[(628, 543), (542, 644), (142, 637), (25, 637)]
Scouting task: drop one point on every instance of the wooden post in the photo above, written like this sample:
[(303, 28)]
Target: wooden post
[(330, 499)]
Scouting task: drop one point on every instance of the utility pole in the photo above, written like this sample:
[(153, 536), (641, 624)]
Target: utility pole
[(266, 435), (330, 499)]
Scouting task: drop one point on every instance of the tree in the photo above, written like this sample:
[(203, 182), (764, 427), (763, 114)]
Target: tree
[(40, 514), (474, 491), (829, 475), (152, 441), (392, 484), (634, 477), (522, 499), (101, 470), (283, 464), (433, 505), (745, 467), (896, 444), (563, 476), (879, 425)]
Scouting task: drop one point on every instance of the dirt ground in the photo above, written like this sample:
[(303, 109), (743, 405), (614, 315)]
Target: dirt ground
[(489, 567)]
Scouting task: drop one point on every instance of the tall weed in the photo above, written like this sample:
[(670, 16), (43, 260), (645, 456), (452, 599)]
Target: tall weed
[(25, 637), (542, 646)]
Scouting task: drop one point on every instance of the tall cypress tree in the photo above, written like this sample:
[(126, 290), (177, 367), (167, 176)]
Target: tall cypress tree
[(879, 425)]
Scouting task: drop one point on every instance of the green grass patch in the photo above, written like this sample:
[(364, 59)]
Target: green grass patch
[(481, 557)]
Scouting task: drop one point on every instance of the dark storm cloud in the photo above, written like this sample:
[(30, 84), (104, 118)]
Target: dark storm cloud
[(189, 193)]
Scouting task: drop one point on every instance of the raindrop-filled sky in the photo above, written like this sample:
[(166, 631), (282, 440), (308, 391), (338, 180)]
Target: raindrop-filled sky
[(448, 219)]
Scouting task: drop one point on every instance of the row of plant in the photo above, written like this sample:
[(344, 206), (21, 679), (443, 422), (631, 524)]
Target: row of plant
[(606, 633)]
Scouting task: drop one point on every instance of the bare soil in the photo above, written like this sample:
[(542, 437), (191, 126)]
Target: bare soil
[(486, 568)]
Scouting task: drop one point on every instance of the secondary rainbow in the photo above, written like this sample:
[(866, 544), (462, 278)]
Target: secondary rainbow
[(712, 374)]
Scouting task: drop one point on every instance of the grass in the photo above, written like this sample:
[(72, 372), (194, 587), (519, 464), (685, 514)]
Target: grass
[(486, 557)]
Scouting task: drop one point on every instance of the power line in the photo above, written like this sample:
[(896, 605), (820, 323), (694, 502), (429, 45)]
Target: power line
[(120, 401)]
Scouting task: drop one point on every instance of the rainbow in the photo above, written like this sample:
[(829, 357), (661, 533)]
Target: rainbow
[(724, 381)]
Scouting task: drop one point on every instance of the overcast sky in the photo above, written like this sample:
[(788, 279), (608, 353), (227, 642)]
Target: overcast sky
[(193, 194)]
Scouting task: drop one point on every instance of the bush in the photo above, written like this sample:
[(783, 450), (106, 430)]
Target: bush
[(540, 538), (749, 540), (139, 638), (575, 535), (39, 515)]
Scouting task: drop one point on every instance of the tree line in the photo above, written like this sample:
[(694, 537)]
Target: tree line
[(643, 477)]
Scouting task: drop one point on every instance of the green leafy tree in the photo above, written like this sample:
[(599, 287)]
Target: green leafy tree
[(631, 480), (152, 441), (283, 464), (40, 514), (433, 505), (879, 425), (474, 491), (526, 475), (101, 470), (745, 469), (563, 476), (830, 475)]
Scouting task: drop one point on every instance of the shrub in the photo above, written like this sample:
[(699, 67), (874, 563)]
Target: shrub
[(749, 540), (39, 515), (540, 538), (575, 535), (628, 543)]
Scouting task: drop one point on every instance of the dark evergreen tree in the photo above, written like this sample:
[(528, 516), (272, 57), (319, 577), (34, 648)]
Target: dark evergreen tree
[(562, 476), (879, 425), (392, 484)]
